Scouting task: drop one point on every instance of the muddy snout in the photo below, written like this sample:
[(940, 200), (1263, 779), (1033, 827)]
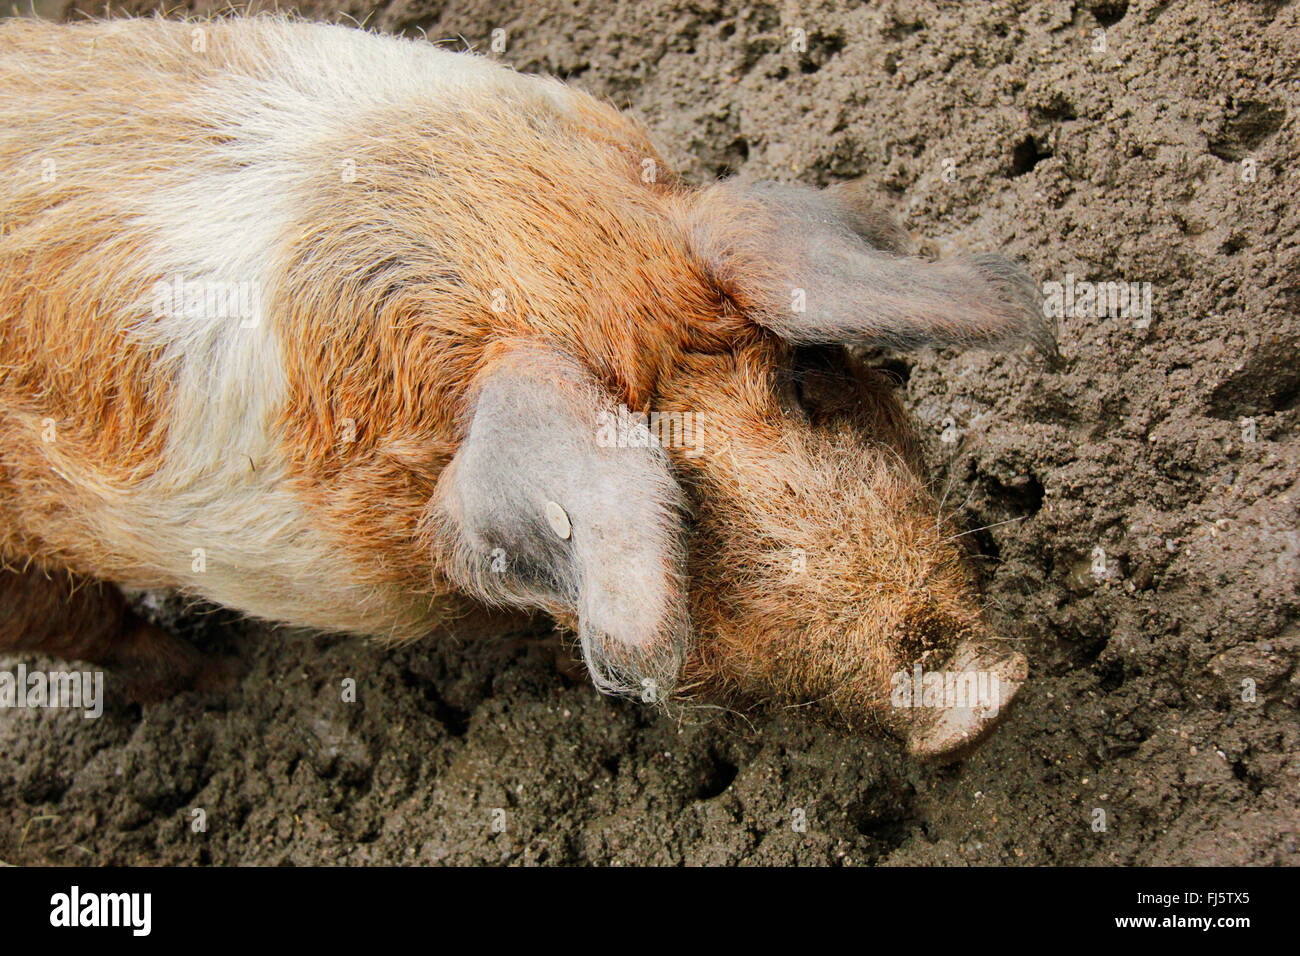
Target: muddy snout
[(956, 707)]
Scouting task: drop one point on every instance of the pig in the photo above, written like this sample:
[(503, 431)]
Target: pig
[(350, 332)]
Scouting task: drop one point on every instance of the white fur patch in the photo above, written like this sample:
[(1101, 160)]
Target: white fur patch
[(219, 519)]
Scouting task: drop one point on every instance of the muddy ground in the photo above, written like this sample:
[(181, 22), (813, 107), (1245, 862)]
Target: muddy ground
[(1171, 156)]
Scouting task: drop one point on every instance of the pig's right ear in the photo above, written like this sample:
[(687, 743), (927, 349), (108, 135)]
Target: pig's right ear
[(540, 509), (821, 267)]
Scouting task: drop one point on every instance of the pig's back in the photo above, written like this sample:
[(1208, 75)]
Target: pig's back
[(139, 429)]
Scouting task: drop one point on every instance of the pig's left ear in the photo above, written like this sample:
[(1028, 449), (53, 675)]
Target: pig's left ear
[(539, 509), (822, 267)]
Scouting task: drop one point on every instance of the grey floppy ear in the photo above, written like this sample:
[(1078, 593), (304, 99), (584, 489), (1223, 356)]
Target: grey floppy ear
[(823, 267), (868, 216), (537, 509)]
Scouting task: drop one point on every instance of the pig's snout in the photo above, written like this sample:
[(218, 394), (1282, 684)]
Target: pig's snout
[(977, 684)]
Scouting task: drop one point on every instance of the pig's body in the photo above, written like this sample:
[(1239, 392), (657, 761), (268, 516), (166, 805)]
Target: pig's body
[(313, 323), (175, 432)]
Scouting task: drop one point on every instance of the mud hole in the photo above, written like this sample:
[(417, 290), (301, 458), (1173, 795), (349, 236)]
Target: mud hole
[(1141, 504)]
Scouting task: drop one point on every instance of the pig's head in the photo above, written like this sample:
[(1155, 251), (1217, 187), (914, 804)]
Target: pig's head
[(766, 531)]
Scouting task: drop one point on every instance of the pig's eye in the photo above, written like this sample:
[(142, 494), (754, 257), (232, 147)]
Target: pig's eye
[(789, 395), (801, 385)]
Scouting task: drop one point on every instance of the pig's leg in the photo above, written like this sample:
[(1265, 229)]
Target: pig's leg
[(74, 618)]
